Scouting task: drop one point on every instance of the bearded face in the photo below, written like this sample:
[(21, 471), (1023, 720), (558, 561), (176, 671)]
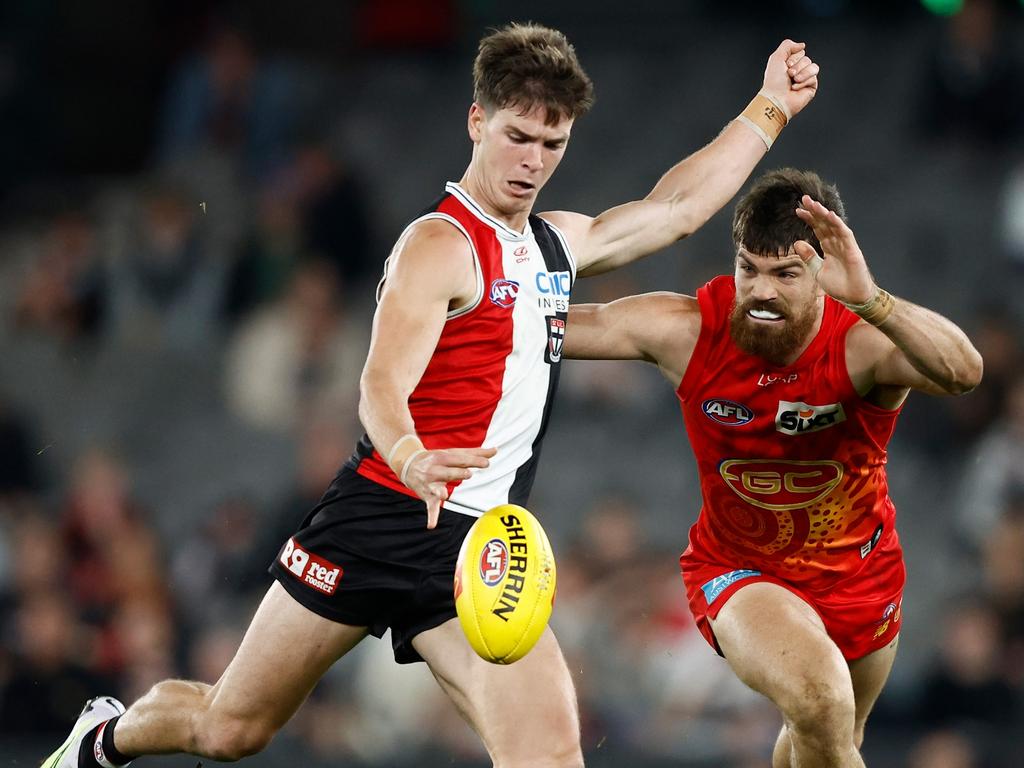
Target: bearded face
[(776, 306)]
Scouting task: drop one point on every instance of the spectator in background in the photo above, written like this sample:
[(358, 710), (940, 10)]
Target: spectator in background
[(297, 356), (1003, 568), (996, 470), (228, 99), (47, 674), (139, 643), (270, 254), (1011, 223), (946, 428), (966, 685), (973, 89), (998, 341), (64, 293), (112, 555), (944, 749), (166, 284), (323, 438), (311, 208), (19, 472), (219, 569), (335, 213)]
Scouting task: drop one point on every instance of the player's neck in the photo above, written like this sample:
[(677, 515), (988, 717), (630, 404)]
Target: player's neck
[(484, 195)]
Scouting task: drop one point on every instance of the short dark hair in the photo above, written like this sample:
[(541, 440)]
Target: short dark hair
[(528, 65), (764, 221)]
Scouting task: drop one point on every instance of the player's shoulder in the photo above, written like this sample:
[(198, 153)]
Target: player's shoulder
[(435, 230), (432, 242)]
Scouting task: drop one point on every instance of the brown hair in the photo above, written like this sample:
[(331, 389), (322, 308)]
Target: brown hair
[(527, 65), (764, 221)]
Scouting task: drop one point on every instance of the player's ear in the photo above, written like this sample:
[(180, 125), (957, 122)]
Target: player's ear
[(475, 123)]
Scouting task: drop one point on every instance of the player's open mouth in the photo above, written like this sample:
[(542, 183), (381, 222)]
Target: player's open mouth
[(765, 315), (521, 187)]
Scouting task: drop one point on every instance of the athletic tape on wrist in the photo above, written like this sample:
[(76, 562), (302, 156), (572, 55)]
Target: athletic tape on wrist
[(766, 116), (875, 310), (397, 444), (408, 463)]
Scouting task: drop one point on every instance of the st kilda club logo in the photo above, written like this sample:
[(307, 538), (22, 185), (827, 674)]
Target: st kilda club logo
[(556, 335)]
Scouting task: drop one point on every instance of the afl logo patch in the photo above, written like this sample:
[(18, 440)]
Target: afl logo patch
[(493, 562), (727, 412), (504, 292)]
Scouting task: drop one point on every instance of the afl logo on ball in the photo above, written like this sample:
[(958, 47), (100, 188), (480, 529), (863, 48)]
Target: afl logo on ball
[(727, 412), (493, 562), (504, 292)]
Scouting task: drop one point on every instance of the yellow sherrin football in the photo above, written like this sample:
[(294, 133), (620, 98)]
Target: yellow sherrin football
[(504, 584)]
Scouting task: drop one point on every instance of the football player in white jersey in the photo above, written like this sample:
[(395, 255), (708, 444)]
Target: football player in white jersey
[(529, 89)]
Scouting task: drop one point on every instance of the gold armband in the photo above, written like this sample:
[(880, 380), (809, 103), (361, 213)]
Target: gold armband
[(875, 310), (766, 117)]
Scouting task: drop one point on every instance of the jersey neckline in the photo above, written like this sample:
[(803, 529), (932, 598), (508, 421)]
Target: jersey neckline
[(503, 230)]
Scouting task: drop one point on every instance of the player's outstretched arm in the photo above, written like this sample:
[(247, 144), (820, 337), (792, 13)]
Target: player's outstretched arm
[(697, 187), (428, 270), (901, 345), (661, 328)]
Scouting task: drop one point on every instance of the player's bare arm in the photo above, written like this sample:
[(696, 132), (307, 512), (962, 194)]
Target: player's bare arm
[(661, 328), (902, 346), (694, 189), (430, 272)]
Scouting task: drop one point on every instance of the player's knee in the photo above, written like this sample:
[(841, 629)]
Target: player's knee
[(821, 709), (569, 757), (559, 748), (228, 738)]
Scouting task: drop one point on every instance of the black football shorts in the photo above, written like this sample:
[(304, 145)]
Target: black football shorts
[(364, 557)]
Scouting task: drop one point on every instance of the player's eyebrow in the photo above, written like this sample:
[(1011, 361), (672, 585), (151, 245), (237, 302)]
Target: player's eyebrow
[(795, 261), (521, 134)]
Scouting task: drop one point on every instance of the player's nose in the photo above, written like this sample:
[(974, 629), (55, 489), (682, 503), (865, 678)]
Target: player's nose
[(763, 289), (533, 157)]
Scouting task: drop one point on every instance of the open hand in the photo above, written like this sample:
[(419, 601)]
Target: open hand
[(843, 273), (430, 472)]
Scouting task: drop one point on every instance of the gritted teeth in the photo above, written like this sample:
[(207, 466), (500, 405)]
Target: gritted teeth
[(764, 314)]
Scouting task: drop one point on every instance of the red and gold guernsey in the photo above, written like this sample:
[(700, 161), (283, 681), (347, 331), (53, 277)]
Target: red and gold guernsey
[(791, 459)]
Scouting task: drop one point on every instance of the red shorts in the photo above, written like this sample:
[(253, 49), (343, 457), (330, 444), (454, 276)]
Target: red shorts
[(861, 613)]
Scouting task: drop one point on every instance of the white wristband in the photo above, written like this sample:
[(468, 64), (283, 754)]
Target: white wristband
[(408, 463), (397, 444)]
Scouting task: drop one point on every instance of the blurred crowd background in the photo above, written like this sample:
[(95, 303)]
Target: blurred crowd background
[(196, 198)]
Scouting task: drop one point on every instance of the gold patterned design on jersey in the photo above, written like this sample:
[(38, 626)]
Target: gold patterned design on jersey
[(780, 485)]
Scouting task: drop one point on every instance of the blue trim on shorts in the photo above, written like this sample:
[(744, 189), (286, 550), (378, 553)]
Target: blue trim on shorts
[(714, 588)]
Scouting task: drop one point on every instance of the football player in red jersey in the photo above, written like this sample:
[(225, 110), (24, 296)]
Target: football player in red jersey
[(791, 374), (461, 371)]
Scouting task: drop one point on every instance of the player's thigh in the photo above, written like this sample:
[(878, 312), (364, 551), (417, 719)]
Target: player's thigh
[(286, 650), (521, 709), (777, 644), (869, 675)]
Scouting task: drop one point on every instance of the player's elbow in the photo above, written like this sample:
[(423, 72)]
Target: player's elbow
[(371, 388), (687, 215), (969, 375)]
